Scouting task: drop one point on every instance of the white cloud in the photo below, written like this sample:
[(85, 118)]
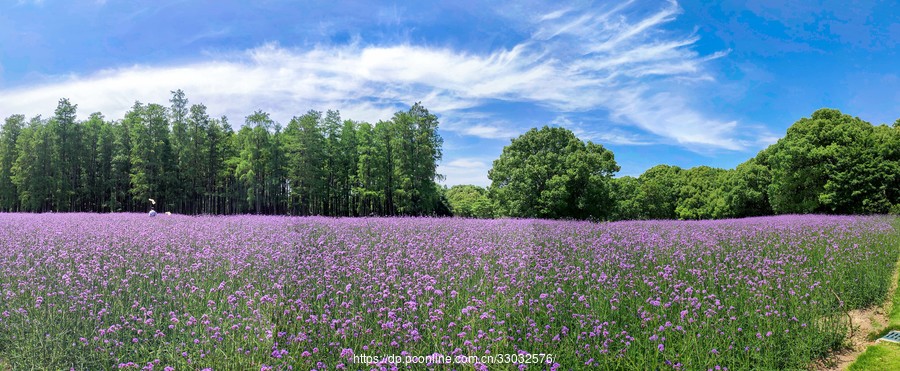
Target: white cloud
[(209, 34), (479, 124), (668, 116), (466, 171), (554, 15), (491, 132), (601, 135), (577, 60), (467, 163)]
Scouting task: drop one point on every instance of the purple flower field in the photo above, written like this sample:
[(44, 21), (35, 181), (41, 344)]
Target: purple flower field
[(92, 291)]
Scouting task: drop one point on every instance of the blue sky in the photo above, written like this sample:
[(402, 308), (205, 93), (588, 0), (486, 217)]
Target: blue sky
[(658, 82)]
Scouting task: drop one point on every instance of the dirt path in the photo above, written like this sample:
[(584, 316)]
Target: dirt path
[(864, 323)]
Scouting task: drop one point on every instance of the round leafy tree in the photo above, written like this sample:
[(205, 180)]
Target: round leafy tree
[(550, 173)]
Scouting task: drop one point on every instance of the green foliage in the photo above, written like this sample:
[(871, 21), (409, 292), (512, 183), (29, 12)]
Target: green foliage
[(829, 163), (625, 191), (658, 193), (834, 163), (469, 201), (304, 149), (549, 173), (181, 142), (32, 172), (96, 170), (192, 163), (9, 134), (320, 164), (65, 149), (701, 195), (745, 189), (252, 143), (151, 155), (367, 186), (418, 149)]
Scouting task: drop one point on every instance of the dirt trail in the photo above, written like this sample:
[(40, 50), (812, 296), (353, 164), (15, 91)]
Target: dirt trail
[(864, 322)]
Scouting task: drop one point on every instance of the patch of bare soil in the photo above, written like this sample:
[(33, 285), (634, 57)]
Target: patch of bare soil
[(865, 322)]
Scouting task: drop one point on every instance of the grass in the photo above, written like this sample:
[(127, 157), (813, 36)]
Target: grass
[(881, 356)]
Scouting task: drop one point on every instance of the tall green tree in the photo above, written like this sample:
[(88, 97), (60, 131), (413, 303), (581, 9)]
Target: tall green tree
[(191, 163), (276, 183), (658, 192), (152, 164), (386, 161), (831, 163), (367, 180), (701, 194), (193, 157), (106, 155), (253, 141), (98, 143), (180, 143), (66, 160), (550, 173), (746, 189), (304, 147), (231, 194), (347, 162), (418, 149), (120, 198), (625, 192), (330, 126), (33, 173), (9, 134), (887, 153), (218, 149)]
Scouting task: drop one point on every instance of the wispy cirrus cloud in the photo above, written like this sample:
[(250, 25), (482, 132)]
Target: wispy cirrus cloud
[(629, 65), (603, 135), (481, 125), (576, 60), (489, 131)]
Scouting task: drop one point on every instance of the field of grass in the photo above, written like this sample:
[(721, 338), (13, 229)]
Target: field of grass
[(90, 291), (879, 357)]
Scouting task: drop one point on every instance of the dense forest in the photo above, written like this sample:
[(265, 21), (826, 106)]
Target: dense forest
[(830, 163), (191, 163), (320, 164)]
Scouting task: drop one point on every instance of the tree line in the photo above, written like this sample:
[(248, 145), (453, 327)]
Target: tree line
[(192, 163), (321, 164), (828, 163)]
